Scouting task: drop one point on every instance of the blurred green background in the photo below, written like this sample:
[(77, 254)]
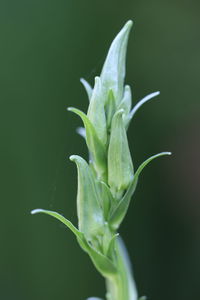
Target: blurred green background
[(46, 46)]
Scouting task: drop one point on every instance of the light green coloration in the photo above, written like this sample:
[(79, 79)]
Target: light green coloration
[(107, 183), (87, 87), (120, 166), (96, 104), (91, 217)]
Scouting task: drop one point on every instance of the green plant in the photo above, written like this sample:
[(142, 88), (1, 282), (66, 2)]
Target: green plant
[(107, 183)]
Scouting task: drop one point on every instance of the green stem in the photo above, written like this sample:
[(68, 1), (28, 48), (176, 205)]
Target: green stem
[(122, 285)]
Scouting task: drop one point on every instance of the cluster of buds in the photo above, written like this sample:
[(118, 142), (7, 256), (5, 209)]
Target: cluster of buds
[(107, 182)]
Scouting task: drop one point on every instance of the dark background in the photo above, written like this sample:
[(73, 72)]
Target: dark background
[(45, 47)]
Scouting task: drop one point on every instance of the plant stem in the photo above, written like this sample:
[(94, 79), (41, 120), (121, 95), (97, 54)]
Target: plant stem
[(122, 285)]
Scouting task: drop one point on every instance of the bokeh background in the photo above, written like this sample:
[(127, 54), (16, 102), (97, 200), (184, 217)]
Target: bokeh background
[(45, 47)]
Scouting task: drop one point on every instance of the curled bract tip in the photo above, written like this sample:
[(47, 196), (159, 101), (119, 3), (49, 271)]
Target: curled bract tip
[(168, 153), (73, 157), (35, 211)]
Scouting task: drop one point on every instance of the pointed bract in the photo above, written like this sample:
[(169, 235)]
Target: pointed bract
[(87, 87), (59, 217)]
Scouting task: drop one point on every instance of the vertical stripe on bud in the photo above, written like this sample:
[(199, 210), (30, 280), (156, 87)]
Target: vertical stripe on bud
[(110, 109), (120, 167)]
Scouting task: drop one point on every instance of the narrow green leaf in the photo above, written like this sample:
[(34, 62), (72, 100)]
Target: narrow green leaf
[(113, 71), (59, 217), (101, 262), (96, 112), (121, 209), (120, 167), (138, 105), (95, 146), (90, 214), (87, 87), (148, 160)]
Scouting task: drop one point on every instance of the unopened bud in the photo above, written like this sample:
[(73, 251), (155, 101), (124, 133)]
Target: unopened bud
[(120, 167)]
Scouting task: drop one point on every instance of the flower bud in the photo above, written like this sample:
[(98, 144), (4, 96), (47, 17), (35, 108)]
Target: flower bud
[(96, 112), (113, 72), (120, 167), (90, 213)]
